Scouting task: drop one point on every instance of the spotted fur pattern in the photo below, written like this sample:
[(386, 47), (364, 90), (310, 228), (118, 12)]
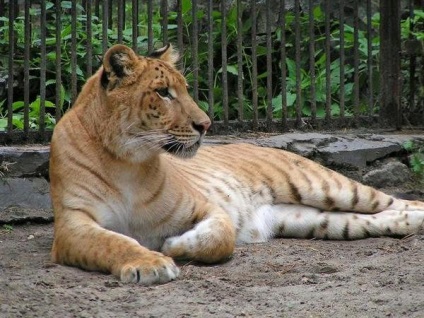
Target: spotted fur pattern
[(129, 195)]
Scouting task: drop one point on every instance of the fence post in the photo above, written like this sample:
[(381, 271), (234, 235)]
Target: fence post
[(390, 47)]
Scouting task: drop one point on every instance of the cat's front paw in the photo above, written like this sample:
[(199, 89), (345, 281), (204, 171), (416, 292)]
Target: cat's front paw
[(176, 247), (206, 248), (156, 268)]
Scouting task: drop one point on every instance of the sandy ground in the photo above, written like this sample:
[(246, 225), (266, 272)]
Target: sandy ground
[(381, 277)]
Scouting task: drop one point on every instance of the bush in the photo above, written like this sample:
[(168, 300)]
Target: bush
[(232, 66)]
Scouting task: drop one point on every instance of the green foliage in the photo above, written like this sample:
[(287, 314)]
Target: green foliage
[(34, 115), (416, 157), (232, 33), (7, 228), (418, 22)]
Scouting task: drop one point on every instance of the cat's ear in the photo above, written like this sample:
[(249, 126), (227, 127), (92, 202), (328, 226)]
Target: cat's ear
[(118, 62), (167, 54)]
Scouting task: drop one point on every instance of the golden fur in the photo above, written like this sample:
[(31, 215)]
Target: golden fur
[(129, 195)]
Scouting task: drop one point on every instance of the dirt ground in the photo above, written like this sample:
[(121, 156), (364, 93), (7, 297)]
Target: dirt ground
[(381, 277)]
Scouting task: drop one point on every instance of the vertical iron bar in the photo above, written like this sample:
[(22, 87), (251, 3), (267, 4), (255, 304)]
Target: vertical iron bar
[(150, 25), (88, 11), (27, 45), (342, 60), (224, 62), (370, 108), (297, 58), (164, 15), (312, 62), (10, 78), (97, 8), (180, 26), (210, 63), (412, 61), (421, 102), (390, 48), (356, 109), (254, 67), (43, 67), (240, 95), (134, 25), (74, 88), (105, 25), (194, 50), (327, 62), (58, 100), (2, 11), (110, 14), (121, 9), (283, 65), (124, 15), (268, 66)]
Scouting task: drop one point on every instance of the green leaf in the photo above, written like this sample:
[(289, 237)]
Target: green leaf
[(335, 109), (35, 107), (203, 105), (291, 99), (186, 6), (18, 121), (318, 14), (277, 103), (262, 75), (62, 96), (291, 67), (232, 17), (417, 163), (66, 4), (409, 145), (170, 27), (51, 56), (3, 123), (232, 69), (260, 50), (79, 71), (50, 81), (49, 5), (49, 104), (66, 32), (18, 105)]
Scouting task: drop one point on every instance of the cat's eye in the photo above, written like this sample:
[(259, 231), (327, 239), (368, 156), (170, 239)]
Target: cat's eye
[(164, 92)]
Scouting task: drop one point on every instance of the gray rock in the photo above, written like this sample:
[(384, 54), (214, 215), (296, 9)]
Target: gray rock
[(391, 174), (305, 149), (27, 198), (24, 199), (296, 141), (24, 161), (357, 152)]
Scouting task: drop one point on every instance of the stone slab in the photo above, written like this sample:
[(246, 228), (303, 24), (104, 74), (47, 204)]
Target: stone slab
[(24, 199), (24, 196), (391, 174), (24, 161), (357, 152)]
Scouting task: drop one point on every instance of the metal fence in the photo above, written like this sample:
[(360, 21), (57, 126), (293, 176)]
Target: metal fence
[(253, 65)]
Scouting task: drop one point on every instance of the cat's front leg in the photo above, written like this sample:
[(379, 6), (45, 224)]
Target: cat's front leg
[(211, 240)]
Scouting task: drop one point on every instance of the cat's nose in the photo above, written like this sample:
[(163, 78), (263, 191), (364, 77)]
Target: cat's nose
[(202, 127)]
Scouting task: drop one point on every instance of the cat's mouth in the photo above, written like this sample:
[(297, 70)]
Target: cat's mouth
[(180, 149)]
